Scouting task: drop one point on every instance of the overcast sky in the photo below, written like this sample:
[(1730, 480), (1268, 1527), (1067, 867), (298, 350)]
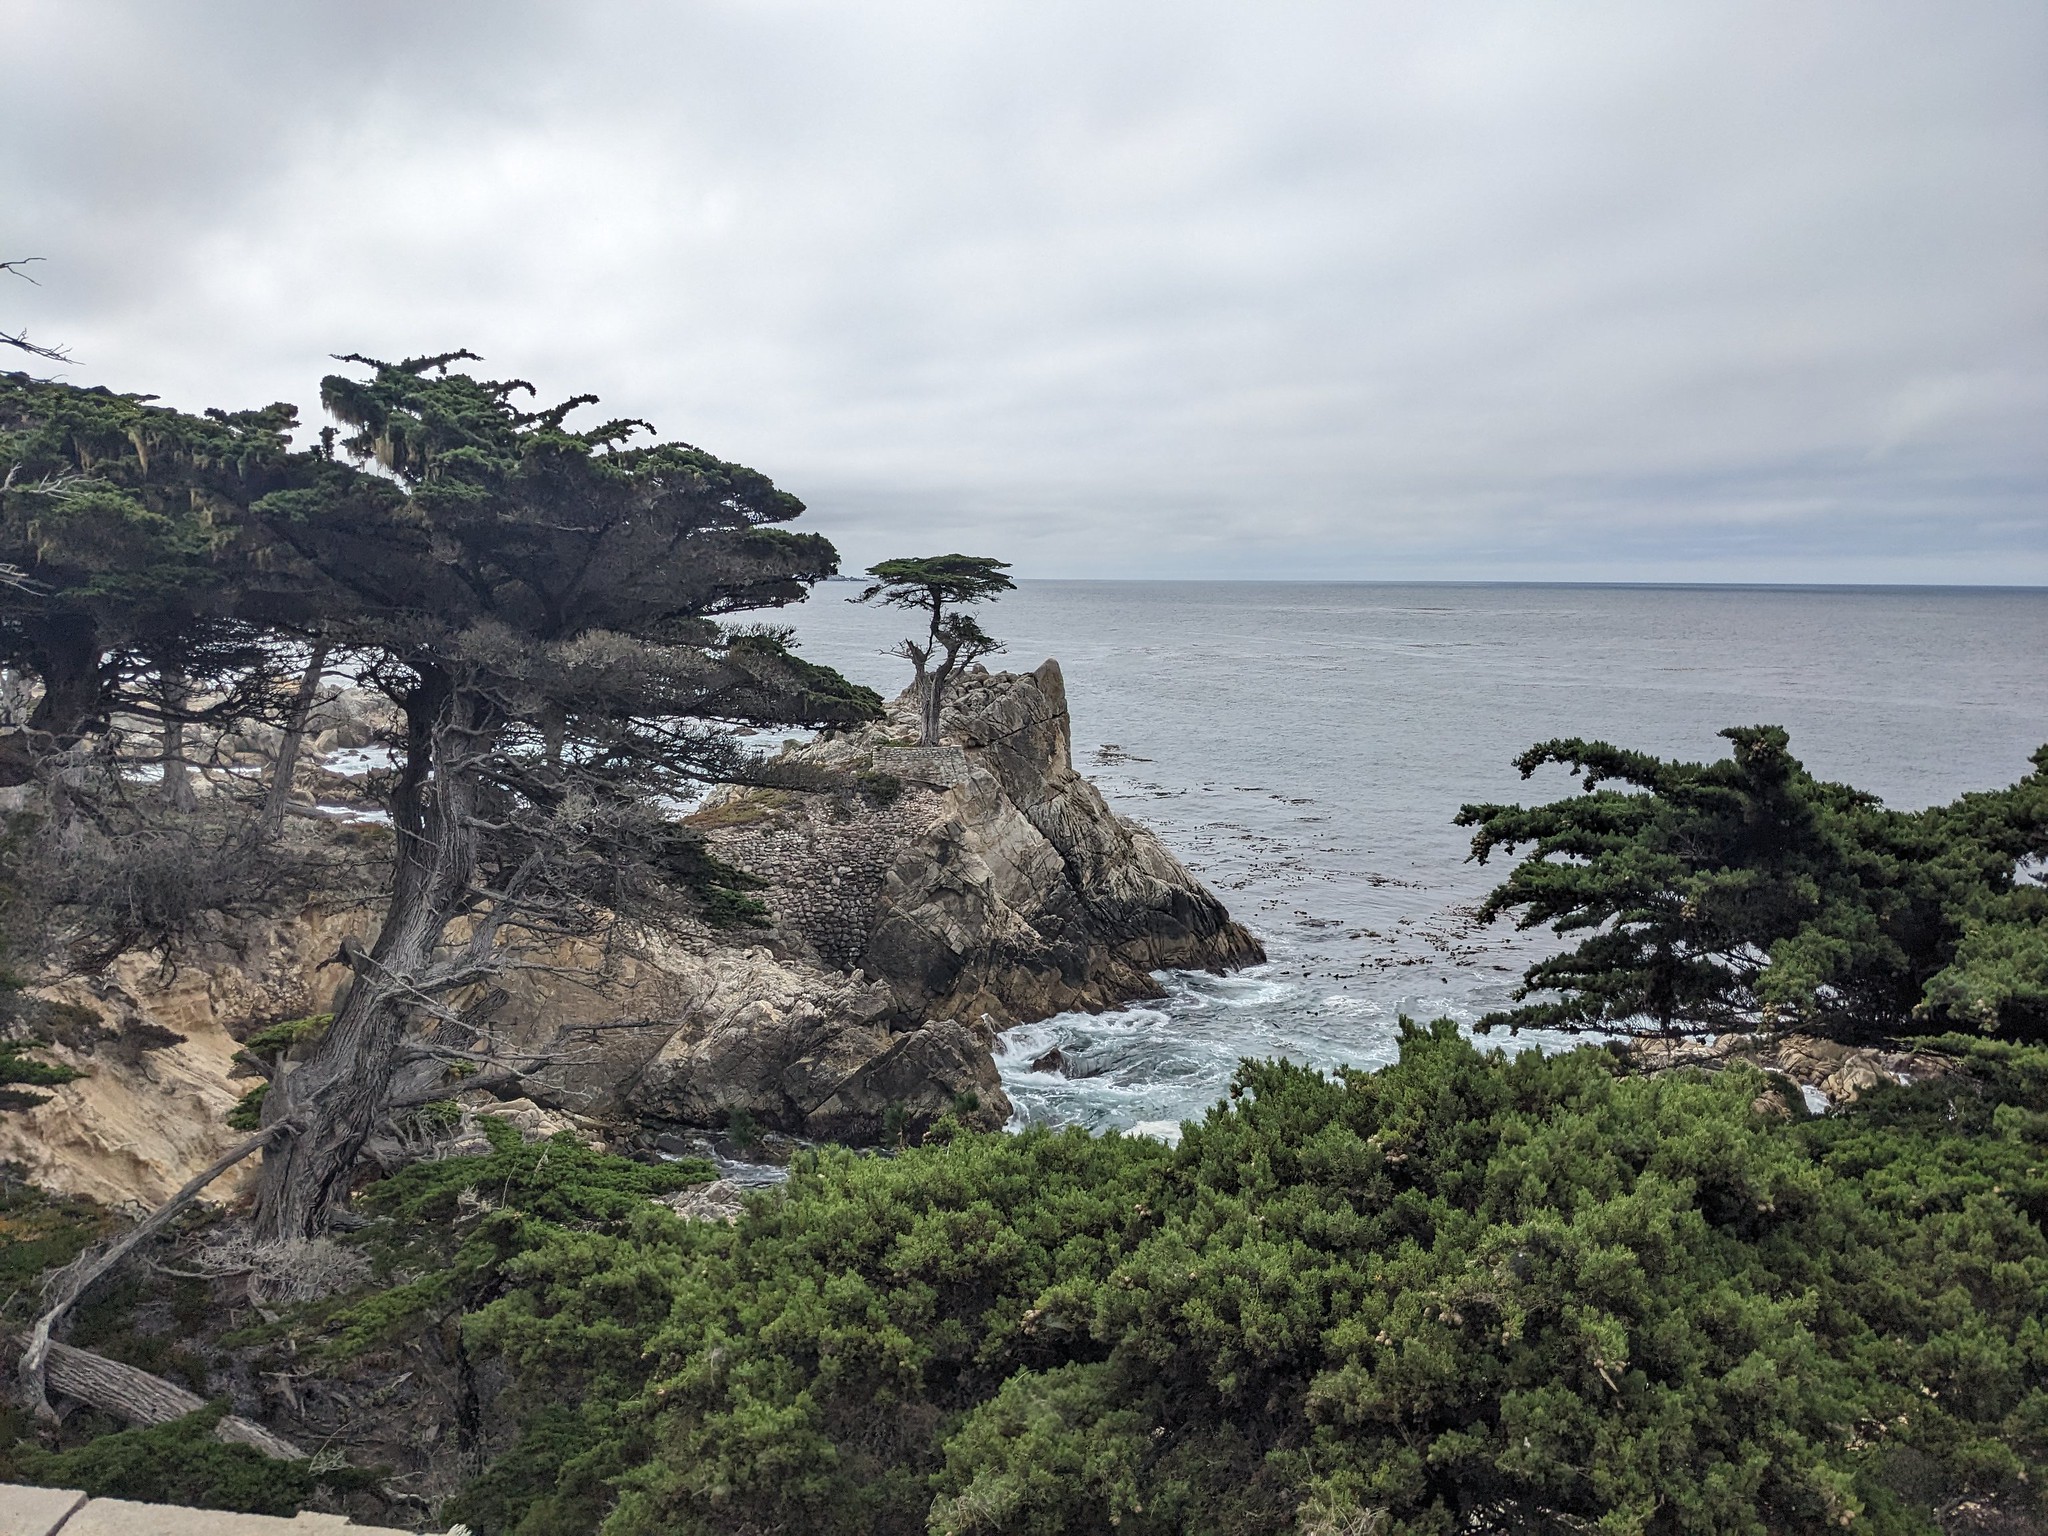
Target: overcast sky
[(1648, 290)]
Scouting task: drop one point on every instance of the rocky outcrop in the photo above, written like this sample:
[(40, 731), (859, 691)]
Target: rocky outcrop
[(158, 1050), (992, 882), (937, 895), (796, 1048), (922, 899)]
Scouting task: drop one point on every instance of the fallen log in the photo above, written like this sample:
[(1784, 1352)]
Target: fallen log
[(136, 1397)]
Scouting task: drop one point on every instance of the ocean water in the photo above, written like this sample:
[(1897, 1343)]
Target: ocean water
[(1304, 746)]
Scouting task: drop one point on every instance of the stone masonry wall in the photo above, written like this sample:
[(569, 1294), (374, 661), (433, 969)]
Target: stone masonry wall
[(826, 857)]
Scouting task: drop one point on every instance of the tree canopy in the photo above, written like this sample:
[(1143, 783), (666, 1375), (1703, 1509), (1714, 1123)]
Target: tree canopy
[(117, 556), (551, 610), (1746, 893), (935, 582)]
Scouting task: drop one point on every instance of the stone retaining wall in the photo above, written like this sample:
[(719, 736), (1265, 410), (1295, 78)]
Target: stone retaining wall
[(824, 874)]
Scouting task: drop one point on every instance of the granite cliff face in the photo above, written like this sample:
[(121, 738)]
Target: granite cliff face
[(928, 899), (942, 895), (158, 1049), (991, 883)]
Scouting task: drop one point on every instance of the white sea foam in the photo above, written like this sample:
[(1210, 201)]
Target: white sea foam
[(354, 762), (1167, 1131)]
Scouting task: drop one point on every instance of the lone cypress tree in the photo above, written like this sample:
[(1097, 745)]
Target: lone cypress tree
[(541, 605), (938, 585)]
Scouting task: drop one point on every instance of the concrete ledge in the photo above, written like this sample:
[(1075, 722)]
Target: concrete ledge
[(35, 1511), (64, 1512)]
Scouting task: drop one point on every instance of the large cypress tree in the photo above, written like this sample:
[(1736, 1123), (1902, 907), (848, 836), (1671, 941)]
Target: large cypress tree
[(541, 604), (1746, 893)]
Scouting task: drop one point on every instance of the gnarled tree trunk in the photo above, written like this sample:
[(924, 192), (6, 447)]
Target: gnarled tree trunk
[(140, 1398), (178, 793), (335, 1100), (70, 1286), (931, 699)]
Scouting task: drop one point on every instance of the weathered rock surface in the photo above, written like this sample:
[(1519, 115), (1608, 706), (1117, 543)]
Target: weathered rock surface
[(793, 1047), (996, 883), (144, 1120), (720, 1200), (1836, 1073)]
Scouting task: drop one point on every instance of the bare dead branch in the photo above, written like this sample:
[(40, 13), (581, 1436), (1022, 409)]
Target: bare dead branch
[(34, 349)]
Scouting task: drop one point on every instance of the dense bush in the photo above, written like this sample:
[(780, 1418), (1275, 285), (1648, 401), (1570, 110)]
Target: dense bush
[(1469, 1292), (175, 1463)]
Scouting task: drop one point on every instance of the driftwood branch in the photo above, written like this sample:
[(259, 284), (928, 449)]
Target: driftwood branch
[(73, 1283), (140, 1398)]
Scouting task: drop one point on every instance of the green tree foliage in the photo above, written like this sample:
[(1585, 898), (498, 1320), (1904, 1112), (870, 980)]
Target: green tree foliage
[(1746, 892), (21, 1073), (939, 586), (1470, 1292), (118, 584), (121, 587)]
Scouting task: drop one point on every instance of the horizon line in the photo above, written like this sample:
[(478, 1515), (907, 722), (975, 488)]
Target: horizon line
[(1460, 581)]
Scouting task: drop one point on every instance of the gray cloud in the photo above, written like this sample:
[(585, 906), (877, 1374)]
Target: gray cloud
[(1705, 290)]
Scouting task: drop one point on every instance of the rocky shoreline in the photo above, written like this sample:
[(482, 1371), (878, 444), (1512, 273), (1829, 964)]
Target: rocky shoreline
[(930, 898)]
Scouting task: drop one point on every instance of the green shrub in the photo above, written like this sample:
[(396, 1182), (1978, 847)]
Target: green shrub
[(1468, 1291), (21, 1075), (24, 1024), (282, 1037), (1746, 893), (882, 789), (247, 1114), (521, 1196), (175, 1463), (39, 1232)]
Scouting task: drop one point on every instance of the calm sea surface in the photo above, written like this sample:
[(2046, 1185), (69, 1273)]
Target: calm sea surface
[(1304, 746)]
